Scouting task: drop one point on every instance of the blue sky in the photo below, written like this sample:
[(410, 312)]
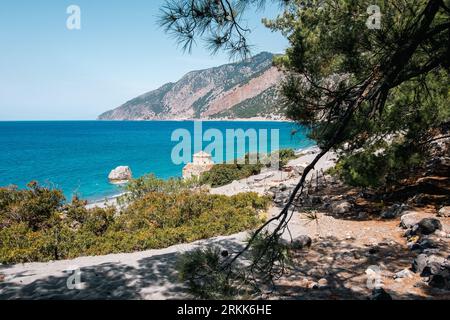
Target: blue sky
[(48, 72)]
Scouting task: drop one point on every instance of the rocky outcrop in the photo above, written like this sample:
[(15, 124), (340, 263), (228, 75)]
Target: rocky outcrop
[(120, 174), (238, 90), (435, 268)]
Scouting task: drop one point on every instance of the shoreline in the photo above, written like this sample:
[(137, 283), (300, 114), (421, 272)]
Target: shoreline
[(302, 154), (255, 119)]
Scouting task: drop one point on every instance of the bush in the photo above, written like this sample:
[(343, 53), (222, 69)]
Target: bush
[(54, 230), (285, 155), (369, 168), (34, 206), (18, 243), (208, 274), (223, 174), (138, 188), (203, 273)]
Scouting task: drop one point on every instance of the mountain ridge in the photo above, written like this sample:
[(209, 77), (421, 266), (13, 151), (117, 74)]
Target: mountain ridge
[(229, 91)]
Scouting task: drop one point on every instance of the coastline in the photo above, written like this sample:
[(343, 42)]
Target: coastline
[(253, 119), (139, 144), (303, 156)]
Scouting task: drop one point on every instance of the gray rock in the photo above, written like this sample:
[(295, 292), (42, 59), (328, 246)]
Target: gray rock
[(435, 265), (428, 226), (301, 242), (394, 211), (427, 265), (362, 216), (419, 263), (438, 281), (444, 212), (427, 244), (405, 273), (422, 245), (380, 294), (408, 220), (341, 207)]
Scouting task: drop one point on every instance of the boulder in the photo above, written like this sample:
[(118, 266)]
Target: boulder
[(436, 268), (405, 273), (301, 242), (439, 281), (427, 265), (380, 294), (428, 226), (408, 220), (341, 207), (444, 212), (362, 216), (394, 211), (120, 174), (419, 263)]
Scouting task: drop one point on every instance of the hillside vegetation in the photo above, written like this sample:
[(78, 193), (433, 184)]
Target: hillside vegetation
[(37, 224), (243, 89)]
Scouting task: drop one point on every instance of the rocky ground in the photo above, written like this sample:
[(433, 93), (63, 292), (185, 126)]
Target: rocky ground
[(353, 252), (349, 245)]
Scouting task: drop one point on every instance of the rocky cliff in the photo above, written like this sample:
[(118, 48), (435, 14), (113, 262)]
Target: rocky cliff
[(238, 90)]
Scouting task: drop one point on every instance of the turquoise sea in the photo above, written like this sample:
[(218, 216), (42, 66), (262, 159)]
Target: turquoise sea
[(77, 156)]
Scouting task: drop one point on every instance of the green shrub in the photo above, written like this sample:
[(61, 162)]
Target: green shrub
[(285, 155), (18, 243), (202, 271), (155, 220), (138, 188), (223, 174), (369, 168), (34, 206), (208, 275)]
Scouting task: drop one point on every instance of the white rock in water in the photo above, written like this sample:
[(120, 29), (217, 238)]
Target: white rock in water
[(120, 174)]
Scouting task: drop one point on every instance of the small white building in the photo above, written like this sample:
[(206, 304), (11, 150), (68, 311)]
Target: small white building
[(202, 162)]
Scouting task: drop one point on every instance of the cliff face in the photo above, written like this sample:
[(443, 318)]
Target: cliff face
[(238, 90)]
